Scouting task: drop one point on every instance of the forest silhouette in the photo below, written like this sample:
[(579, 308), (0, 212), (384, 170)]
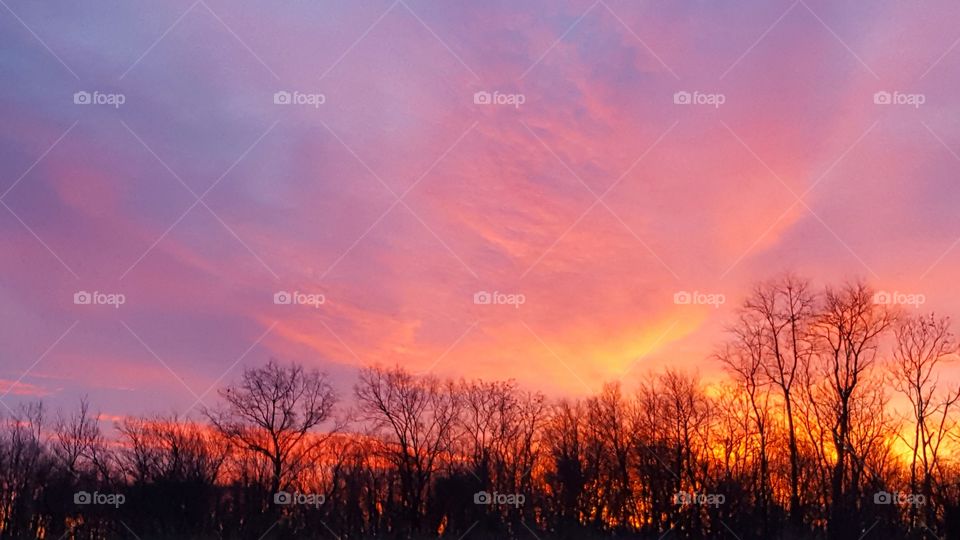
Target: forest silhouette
[(831, 421)]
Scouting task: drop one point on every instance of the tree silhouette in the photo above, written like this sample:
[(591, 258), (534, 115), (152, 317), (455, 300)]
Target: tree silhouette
[(830, 420), (272, 411)]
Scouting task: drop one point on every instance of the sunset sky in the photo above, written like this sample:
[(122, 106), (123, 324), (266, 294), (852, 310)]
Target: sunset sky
[(398, 198)]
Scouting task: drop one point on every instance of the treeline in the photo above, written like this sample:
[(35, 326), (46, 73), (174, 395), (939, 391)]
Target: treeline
[(832, 422)]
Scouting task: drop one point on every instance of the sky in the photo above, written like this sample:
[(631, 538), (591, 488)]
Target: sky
[(631, 155)]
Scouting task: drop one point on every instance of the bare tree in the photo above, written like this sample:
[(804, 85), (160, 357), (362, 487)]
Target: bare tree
[(415, 419), (170, 449), (609, 424), (23, 469), (273, 411), (743, 359), (674, 437), (500, 427), (922, 345), (563, 436), (849, 330), (786, 309), (79, 441)]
